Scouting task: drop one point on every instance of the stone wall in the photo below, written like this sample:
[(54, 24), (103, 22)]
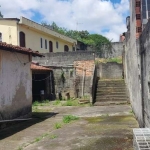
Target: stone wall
[(132, 67), (145, 73), (109, 51), (74, 80), (110, 70), (15, 85), (63, 58)]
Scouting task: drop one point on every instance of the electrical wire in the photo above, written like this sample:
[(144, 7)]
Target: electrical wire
[(24, 63)]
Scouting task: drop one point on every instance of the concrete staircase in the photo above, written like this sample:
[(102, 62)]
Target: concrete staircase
[(111, 92)]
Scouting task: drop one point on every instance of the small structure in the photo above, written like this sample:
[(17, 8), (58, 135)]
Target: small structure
[(42, 82), (15, 81)]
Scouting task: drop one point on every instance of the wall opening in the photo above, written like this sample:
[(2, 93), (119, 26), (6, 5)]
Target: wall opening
[(50, 46), (38, 86), (22, 39), (66, 48)]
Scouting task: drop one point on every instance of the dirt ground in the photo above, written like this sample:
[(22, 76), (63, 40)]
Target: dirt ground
[(98, 128)]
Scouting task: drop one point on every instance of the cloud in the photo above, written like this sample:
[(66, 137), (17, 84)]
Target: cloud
[(97, 16)]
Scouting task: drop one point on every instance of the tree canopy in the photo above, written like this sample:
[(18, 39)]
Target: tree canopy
[(93, 40)]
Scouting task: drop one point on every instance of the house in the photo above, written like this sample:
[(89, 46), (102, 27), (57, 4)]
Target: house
[(81, 46), (26, 33), (42, 83), (15, 81)]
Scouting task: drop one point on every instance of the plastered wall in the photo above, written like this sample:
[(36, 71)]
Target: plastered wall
[(15, 85)]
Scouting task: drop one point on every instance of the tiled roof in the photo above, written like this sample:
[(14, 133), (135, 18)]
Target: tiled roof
[(37, 67), (18, 49)]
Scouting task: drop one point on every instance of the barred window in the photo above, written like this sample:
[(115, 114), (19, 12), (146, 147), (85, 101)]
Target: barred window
[(138, 4), (138, 29), (138, 16)]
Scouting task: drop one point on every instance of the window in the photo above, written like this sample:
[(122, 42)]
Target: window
[(0, 37), (73, 48), (41, 43), (138, 29), (57, 45), (22, 39), (66, 48), (138, 16), (45, 44), (138, 4), (50, 46)]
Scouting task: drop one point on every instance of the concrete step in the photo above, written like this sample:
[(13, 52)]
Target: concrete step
[(110, 103), (111, 82), (103, 86), (111, 99), (110, 93), (111, 96), (110, 89), (115, 83)]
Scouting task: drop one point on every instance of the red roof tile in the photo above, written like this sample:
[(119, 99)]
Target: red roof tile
[(18, 49), (37, 67)]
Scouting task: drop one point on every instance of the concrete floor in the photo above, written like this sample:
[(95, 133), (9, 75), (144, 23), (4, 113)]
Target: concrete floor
[(98, 128)]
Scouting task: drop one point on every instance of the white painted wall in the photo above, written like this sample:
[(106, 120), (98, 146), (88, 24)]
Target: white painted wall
[(15, 85)]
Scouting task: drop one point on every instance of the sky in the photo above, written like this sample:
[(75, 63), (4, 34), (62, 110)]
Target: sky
[(105, 17)]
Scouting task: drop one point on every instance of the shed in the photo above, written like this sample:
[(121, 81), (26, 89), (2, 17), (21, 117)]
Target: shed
[(15, 81)]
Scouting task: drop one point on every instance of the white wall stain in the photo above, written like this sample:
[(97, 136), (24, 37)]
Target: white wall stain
[(13, 75)]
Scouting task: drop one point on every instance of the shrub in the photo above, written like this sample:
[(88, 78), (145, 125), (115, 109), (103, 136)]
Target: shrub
[(57, 125), (69, 118)]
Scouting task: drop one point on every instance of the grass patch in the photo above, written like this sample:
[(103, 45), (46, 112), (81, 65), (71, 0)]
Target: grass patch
[(20, 148), (70, 103), (103, 60), (117, 60), (41, 103), (57, 102), (69, 118), (53, 136), (57, 125)]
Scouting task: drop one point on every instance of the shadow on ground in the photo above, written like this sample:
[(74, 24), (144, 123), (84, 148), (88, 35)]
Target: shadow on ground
[(17, 126)]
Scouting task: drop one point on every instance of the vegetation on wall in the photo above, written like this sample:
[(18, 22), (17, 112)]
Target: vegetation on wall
[(95, 41)]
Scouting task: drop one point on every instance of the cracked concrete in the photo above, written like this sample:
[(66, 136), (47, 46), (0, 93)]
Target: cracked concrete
[(99, 128)]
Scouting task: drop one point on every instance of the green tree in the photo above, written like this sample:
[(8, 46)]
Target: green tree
[(96, 41)]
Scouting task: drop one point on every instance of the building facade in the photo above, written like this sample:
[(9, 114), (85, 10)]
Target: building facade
[(26, 33), (145, 9)]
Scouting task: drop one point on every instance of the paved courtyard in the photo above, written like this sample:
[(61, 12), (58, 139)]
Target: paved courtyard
[(98, 128)]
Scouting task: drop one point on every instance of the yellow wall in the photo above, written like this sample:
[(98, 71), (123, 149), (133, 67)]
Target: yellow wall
[(8, 28), (33, 38), (34, 32)]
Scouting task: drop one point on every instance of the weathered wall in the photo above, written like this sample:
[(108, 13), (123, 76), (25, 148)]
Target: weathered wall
[(63, 59), (132, 67), (110, 70), (109, 51), (15, 85), (133, 78), (71, 79), (8, 28), (145, 76)]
